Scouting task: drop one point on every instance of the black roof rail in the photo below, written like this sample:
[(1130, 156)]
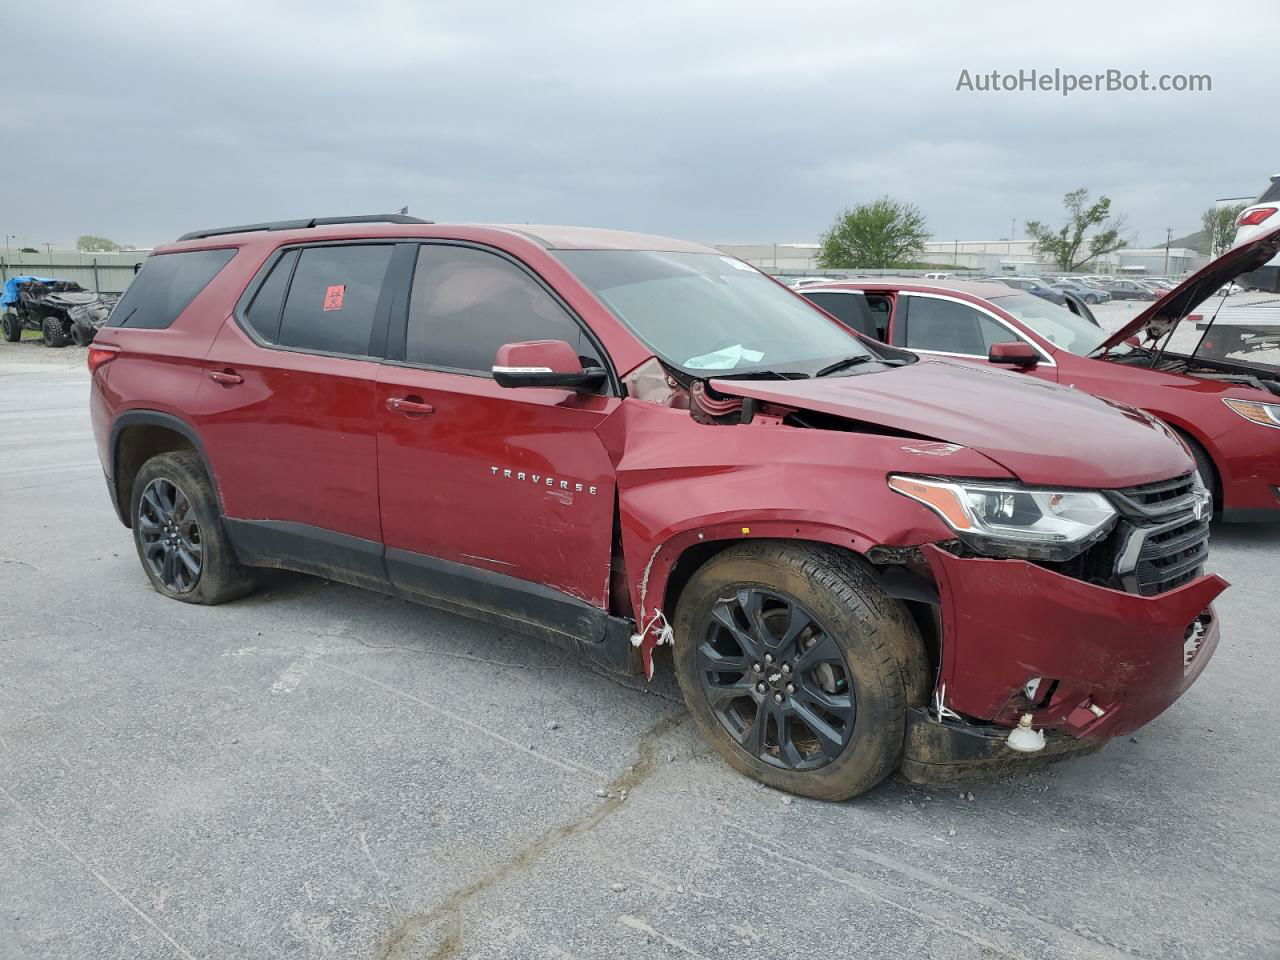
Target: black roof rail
[(302, 224)]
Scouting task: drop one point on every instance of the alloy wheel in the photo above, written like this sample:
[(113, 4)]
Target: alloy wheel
[(172, 546), (776, 680)]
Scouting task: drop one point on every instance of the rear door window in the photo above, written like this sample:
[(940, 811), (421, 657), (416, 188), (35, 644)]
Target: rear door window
[(332, 299), (165, 286), (951, 327)]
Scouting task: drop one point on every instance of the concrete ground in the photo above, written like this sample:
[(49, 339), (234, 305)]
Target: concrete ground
[(317, 771)]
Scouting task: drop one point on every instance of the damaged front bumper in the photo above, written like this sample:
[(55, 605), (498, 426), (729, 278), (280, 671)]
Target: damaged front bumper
[(1100, 662)]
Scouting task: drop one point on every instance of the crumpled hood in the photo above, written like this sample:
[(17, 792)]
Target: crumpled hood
[(1041, 433), (1163, 315)]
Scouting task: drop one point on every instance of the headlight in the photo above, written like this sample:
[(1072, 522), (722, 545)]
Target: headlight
[(1007, 520), (1267, 414)]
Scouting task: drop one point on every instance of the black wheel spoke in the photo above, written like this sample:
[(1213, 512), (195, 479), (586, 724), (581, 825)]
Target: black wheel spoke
[(709, 658), (151, 500), (180, 506), (829, 738), (839, 704), (799, 620), (188, 560), (823, 650), (722, 696), (749, 645), (752, 738)]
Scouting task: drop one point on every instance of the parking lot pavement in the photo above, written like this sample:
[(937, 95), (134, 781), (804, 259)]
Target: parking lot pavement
[(317, 771)]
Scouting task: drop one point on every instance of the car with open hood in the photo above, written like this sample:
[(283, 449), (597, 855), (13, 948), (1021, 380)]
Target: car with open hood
[(855, 558), (1213, 375)]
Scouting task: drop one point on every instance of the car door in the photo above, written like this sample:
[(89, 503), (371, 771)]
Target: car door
[(498, 498), (934, 324), (287, 410)]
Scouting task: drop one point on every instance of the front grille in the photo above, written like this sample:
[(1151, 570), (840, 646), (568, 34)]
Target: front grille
[(1156, 499), (1164, 535)]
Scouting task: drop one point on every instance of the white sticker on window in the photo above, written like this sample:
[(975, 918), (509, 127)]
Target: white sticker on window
[(738, 264)]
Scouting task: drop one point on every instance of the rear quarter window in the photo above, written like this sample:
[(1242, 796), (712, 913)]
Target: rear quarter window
[(164, 287)]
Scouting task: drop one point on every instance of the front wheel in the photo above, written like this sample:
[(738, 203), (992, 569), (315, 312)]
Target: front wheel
[(177, 529), (798, 668), (12, 327), (53, 330)]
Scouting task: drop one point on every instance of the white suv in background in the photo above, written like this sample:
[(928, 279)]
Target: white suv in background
[(1261, 215)]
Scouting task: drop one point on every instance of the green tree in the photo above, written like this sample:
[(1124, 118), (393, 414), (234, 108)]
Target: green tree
[(884, 233), (91, 244), (1220, 227), (1068, 247)]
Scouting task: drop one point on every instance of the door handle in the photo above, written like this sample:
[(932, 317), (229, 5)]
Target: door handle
[(409, 406), (225, 377)]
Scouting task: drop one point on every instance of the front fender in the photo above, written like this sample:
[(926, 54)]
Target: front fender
[(681, 483)]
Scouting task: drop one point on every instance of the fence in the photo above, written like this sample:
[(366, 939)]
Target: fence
[(100, 272)]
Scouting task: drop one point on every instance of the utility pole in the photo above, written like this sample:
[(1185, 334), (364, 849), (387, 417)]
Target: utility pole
[(48, 249), (1168, 239), (1013, 227)]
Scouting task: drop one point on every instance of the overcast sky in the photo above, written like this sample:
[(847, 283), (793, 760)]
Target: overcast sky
[(714, 121)]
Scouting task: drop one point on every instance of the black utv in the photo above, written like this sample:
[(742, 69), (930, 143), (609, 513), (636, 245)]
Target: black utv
[(62, 310)]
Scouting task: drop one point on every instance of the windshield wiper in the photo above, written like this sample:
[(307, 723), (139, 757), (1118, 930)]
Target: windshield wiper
[(854, 361)]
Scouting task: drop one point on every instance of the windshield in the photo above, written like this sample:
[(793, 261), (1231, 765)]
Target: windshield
[(1056, 324), (703, 312)]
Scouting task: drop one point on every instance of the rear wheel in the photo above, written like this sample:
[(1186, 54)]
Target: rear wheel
[(12, 327), (81, 335), (797, 667), (177, 529), (53, 331)]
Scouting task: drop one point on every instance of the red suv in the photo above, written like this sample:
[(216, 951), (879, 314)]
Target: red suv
[(863, 560), (1214, 376)]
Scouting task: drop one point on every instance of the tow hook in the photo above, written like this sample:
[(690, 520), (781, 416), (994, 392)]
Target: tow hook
[(1023, 739)]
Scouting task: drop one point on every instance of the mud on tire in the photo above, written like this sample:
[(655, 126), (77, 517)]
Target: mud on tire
[(823, 735), (178, 532)]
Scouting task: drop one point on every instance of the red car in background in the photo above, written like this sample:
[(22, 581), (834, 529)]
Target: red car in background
[(1224, 403)]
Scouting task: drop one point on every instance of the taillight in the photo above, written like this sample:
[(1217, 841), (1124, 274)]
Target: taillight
[(1251, 218), (100, 355)]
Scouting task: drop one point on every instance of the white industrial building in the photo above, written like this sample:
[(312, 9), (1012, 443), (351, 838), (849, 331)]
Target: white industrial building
[(1017, 257)]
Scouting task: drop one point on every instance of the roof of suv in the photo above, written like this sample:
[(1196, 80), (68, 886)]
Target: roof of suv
[(548, 236)]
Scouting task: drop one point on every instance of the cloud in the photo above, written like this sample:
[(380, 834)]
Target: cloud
[(716, 121)]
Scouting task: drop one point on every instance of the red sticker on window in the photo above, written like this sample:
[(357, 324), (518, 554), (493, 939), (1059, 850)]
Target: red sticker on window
[(333, 296)]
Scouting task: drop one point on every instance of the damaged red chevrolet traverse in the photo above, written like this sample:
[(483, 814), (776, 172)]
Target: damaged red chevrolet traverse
[(864, 560)]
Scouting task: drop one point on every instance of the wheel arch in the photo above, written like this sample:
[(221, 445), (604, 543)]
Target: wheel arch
[(139, 435), (1195, 439)]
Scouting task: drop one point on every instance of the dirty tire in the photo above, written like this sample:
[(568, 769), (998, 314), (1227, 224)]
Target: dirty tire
[(80, 336), (53, 331), (220, 577), (11, 327), (887, 667)]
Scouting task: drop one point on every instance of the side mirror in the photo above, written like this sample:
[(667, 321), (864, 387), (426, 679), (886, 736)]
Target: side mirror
[(1015, 353), (543, 363)]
